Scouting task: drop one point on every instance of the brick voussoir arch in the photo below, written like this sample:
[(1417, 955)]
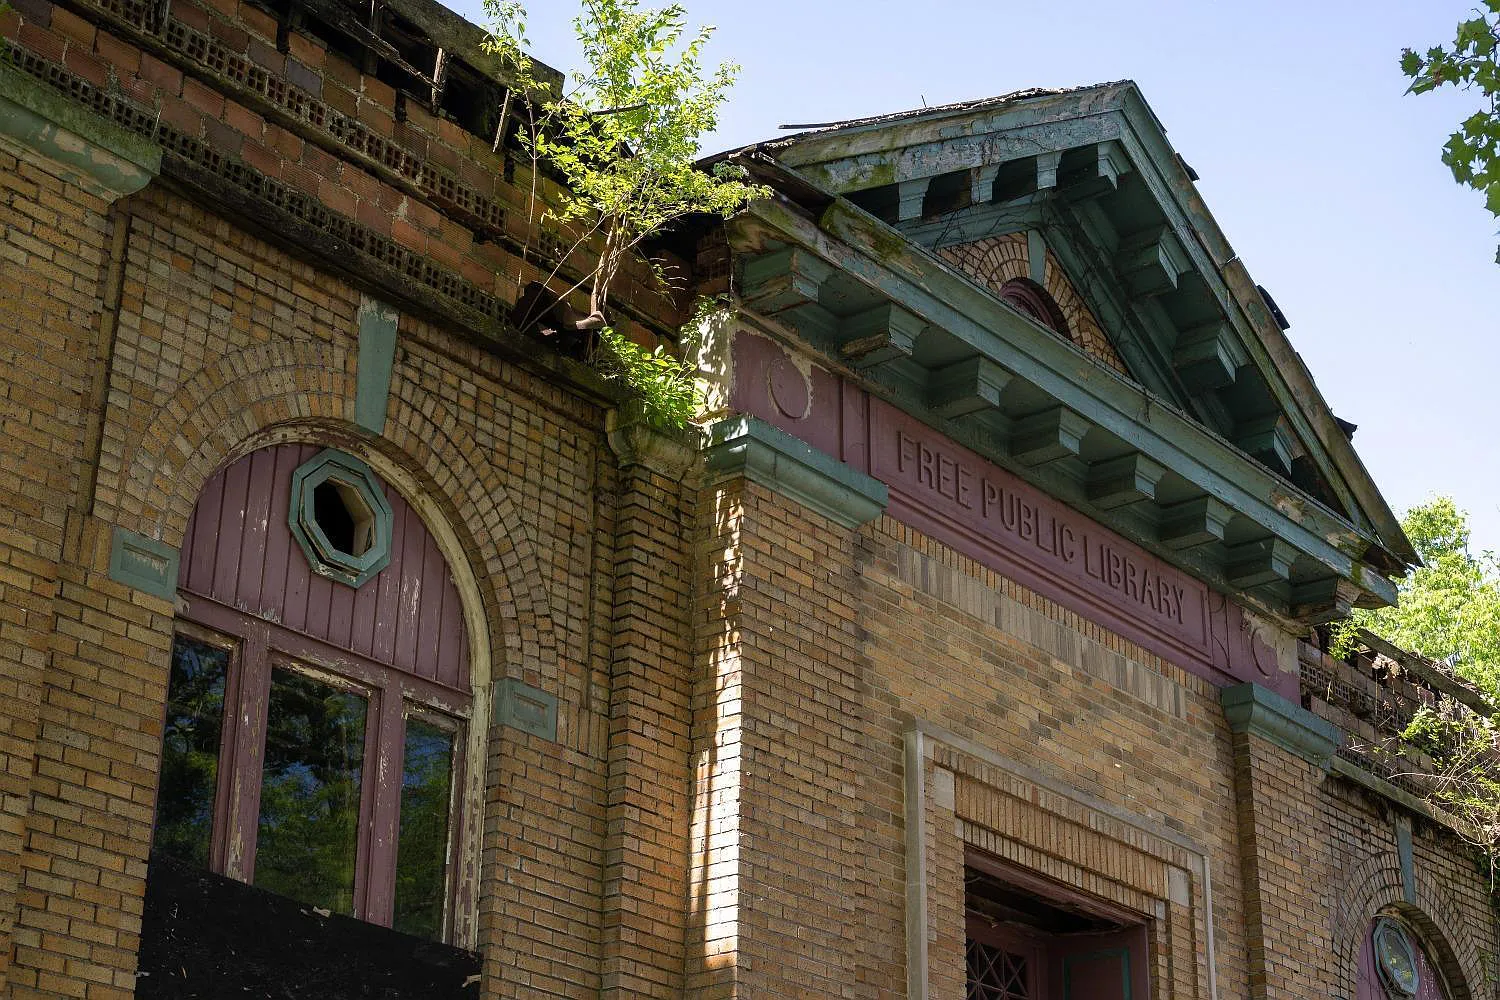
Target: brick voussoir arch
[(418, 432), (297, 391), (1373, 887)]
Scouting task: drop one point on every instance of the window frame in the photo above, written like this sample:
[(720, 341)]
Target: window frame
[(257, 647)]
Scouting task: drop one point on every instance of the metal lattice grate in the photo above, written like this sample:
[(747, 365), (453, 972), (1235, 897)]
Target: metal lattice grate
[(996, 974)]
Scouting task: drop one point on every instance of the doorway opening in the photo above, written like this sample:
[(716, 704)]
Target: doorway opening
[(1028, 938)]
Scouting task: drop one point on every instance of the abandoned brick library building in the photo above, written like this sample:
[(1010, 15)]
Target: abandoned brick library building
[(358, 640)]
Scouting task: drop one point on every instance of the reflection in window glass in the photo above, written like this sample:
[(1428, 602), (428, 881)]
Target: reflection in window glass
[(190, 750), (309, 796), (422, 846)]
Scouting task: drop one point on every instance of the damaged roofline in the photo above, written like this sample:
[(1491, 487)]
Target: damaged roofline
[(874, 135)]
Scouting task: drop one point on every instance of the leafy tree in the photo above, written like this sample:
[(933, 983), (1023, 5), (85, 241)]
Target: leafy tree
[(1470, 63), (1449, 608), (624, 136)]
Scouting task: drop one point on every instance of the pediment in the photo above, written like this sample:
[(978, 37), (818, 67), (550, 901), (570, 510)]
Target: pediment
[(1079, 193), (1086, 177)]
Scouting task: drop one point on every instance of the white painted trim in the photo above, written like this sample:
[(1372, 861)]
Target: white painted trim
[(916, 865)]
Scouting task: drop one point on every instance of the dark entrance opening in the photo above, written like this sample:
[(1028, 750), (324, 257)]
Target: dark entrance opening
[(1031, 939)]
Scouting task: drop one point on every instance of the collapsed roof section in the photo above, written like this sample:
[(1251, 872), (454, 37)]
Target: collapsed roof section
[(1206, 439)]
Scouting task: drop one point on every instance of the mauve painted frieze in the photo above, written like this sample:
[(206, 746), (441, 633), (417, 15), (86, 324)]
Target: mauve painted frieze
[(988, 513)]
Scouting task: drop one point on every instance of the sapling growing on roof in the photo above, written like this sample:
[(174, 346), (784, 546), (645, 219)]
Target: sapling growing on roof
[(623, 135)]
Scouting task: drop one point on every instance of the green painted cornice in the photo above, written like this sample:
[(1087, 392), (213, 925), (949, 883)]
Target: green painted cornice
[(835, 157), (773, 458), (1253, 709), (909, 148), (97, 154), (848, 242)]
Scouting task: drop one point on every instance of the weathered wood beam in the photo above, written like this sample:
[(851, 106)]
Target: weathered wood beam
[(439, 78), (982, 184), (1096, 171), (1124, 480), (966, 387), (1206, 357), (1150, 261), (783, 279), (1254, 564), (879, 335), (1268, 439), (1048, 436), (911, 194), (1430, 673), (1325, 600), (1046, 170), (1192, 523)]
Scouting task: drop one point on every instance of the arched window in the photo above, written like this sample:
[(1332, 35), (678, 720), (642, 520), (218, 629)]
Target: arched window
[(1394, 966), (1032, 299), (319, 695)]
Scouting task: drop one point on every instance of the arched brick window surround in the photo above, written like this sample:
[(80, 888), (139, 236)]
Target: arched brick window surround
[(1374, 887), (400, 641), (1031, 299)]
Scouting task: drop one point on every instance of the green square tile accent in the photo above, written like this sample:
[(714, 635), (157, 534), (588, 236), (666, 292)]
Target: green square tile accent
[(143, 563), (528, 709), (377, 355)]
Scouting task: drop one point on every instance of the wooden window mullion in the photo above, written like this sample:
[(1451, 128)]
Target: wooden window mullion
[(249, 727), (377, 849)]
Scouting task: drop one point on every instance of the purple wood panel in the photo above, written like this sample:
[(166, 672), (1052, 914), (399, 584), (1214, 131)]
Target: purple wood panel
[(231, 525), (256, 525), (406, 545), (238, 550)]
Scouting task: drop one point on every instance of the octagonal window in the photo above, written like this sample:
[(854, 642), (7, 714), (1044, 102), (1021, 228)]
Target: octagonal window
[(347, 521), (340, 517)]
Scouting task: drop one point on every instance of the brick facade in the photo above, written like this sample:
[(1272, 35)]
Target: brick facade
[(781, 735)]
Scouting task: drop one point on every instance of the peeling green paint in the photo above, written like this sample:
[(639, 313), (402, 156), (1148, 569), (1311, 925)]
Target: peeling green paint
[(101, 156), (377, 353)]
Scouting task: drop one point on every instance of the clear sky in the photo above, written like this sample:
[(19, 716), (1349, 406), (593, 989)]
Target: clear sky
[(1325, 178)]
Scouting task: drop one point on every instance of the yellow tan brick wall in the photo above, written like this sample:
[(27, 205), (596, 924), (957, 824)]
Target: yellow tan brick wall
[(223, 344), (1052, 744), (55, 242), (842, 641), (1289, 934)]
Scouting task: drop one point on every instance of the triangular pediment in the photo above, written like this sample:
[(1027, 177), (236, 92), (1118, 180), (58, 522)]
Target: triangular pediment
[(1087, 179), (1077, 195)]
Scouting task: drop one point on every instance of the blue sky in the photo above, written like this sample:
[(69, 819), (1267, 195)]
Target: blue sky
[(1323, 175)]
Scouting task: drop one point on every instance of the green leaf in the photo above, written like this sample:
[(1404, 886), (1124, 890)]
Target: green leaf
[(1472, 32)]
